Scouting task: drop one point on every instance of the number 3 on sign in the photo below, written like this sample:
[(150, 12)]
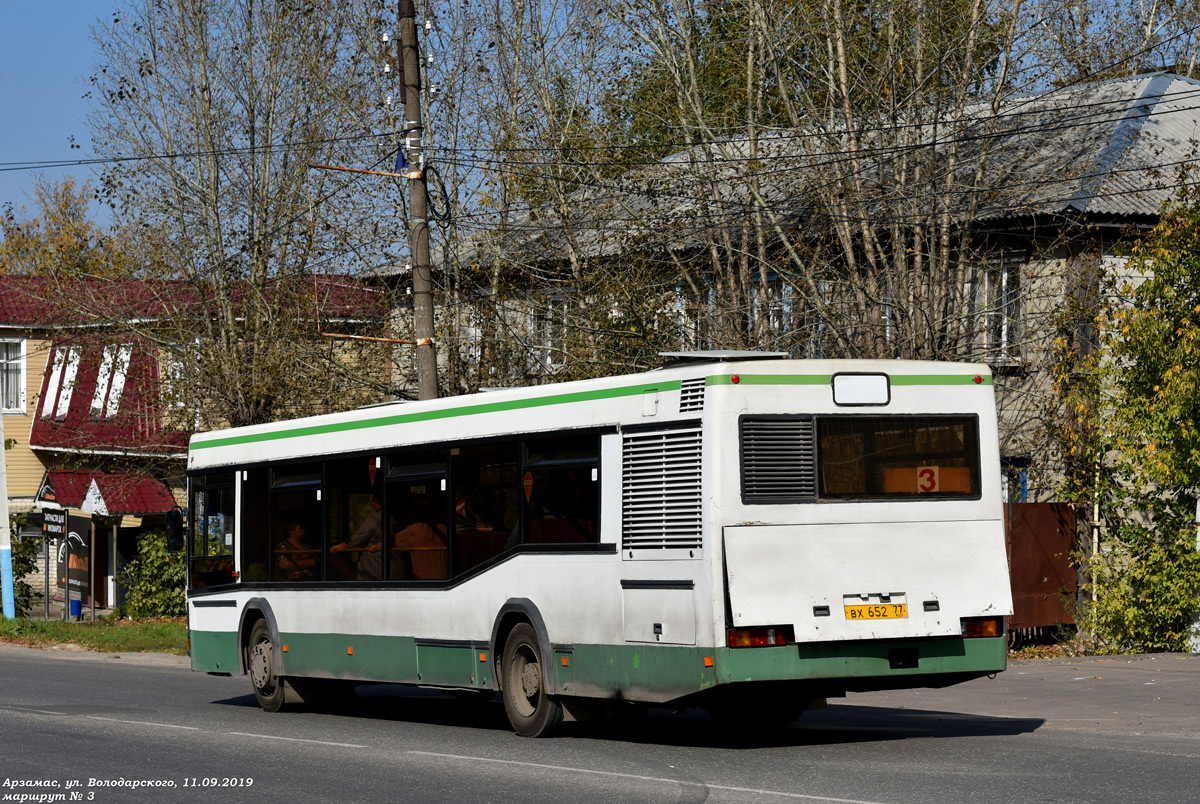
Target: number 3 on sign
[(927, 479)]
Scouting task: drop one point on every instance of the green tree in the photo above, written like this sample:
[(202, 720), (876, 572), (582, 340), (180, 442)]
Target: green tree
[(62, 239), (1144, 440), (24, 559), (155, 579)]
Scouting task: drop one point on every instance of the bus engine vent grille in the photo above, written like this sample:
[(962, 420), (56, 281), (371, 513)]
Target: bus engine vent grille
[(691, 395), (660, 499), (778, 460)]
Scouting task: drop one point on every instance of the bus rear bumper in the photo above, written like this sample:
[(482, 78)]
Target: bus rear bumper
[(874, 665), (662, 673)]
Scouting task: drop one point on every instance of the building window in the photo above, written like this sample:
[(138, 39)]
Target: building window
[(1014, 480), (110, 381), (1001, 310), (12, 355), (62, 383), (549, 333)]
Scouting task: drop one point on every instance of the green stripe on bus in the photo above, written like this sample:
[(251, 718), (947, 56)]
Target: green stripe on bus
[(771, 379), (826, 379), (941, 379), (434, 415)]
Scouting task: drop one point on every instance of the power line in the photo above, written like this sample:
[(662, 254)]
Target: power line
[(773, 136)]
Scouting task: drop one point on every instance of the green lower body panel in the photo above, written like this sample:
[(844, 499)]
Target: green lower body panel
[(650, 673), (660, 673), (391, 659), (215, 651), (634, 672), (888, 663)]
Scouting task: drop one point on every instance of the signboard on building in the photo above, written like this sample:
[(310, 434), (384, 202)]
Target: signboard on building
[(75, 556), (46, 494), (54, 523)]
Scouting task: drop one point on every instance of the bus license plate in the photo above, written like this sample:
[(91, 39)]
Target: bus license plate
[(878, 611)]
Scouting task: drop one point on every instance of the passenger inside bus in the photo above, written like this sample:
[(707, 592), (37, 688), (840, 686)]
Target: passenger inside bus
[(420, 549), (296, 559), (367, 541)]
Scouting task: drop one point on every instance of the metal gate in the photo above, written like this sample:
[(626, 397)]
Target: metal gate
[(1040, 539)]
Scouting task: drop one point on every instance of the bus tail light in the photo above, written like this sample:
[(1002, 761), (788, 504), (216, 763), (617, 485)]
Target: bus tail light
[(974, 627), (760, 637)]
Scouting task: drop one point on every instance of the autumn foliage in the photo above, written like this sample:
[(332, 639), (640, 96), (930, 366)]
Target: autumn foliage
[(1135, 405)]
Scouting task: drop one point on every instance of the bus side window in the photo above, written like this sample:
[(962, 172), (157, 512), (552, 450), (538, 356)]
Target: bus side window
[(210, 559), (419, 540), (486, 503), (296, 524), (354, 519), (560, 490), (256, 543), (561, 506)]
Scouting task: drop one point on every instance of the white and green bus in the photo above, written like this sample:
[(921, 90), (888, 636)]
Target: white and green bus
[(736, 531)]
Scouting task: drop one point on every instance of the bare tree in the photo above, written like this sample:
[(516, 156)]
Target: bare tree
[(213, 113)]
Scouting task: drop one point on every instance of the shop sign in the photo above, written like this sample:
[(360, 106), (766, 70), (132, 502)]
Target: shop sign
[(54, 523), (75, 555)]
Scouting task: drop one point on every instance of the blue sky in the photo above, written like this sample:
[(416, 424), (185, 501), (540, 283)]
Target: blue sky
[(45, 57)]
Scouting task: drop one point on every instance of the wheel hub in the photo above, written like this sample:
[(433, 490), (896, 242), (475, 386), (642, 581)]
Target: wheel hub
[(530, 680), (260, 665)]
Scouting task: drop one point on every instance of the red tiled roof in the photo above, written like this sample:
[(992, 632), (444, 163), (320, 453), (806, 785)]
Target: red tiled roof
[(36, 301), (115, 494), (100, 393), (45, 301)]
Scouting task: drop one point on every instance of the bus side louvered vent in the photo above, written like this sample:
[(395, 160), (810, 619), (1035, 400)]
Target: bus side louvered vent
[(778, 460), (691, 395), (661, 501)]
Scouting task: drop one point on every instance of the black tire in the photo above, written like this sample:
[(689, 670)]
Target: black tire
[(531, 710), (269, 689)]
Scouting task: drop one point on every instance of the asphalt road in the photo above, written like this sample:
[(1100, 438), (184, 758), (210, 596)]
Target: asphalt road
[(1091, 730)]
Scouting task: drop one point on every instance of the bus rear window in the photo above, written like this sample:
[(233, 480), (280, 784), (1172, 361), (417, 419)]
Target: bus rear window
[(897, 456)]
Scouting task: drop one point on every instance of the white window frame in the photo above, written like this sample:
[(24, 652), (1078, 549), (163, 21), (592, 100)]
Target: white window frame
[(1000, 309), (21, 361), (110, 380), (549, 331), (62, 382)]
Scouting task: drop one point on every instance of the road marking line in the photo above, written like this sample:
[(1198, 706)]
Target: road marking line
[(296, 739), (144, 723), (728, 788)]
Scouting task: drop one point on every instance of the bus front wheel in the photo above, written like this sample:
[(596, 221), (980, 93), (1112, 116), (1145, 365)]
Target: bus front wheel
[(531, 710), (260, 661)]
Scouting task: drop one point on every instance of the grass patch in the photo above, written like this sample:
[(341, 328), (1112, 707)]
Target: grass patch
[(154, 635)]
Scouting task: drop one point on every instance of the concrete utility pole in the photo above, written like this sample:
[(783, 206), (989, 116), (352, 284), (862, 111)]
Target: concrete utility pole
[(1194, 635), (6, 567), (414, 130)]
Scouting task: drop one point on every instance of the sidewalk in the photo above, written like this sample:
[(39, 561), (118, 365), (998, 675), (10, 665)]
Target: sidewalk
[(37, 611)]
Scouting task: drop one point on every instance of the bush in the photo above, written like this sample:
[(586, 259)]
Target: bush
[(24, 559), (1134, 448), (154, 580)]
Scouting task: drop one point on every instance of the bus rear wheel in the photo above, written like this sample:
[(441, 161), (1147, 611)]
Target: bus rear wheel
[(269, 688), (531, 710)]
